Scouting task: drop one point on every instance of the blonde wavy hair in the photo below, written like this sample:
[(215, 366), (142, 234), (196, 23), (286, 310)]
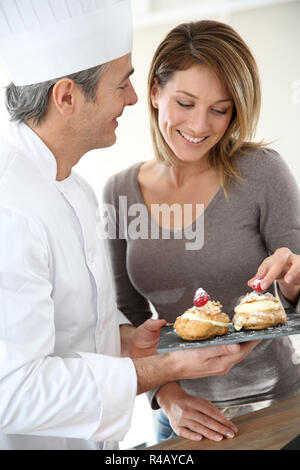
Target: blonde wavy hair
[(218, 46)]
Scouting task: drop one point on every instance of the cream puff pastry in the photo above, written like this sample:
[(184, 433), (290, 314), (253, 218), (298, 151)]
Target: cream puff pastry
[(203, 320), (258, 311)]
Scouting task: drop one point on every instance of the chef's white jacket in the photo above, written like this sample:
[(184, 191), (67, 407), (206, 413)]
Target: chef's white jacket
[(62, 384)]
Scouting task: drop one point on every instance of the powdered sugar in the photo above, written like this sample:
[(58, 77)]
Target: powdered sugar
[(201, 297), (256, 284), (256, 296)]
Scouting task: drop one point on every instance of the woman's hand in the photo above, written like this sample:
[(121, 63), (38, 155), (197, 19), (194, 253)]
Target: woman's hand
[(192, 417), (283, 266)]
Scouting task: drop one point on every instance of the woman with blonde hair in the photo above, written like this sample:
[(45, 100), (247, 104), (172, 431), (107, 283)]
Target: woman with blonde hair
[(204, 103)]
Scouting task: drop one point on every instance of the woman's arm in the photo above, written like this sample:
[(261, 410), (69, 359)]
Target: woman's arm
[(279, 207)]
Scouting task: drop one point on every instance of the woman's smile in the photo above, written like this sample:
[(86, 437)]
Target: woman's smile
[(192, 140)]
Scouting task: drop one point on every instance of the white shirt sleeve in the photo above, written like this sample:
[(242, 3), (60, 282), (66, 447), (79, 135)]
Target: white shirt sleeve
[(112, 376), (43, 394), (122, 319)]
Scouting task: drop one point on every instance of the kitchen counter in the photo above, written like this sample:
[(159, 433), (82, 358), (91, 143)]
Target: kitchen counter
[(267, 429)]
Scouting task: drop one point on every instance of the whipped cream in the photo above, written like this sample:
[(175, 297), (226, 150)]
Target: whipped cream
[(191, 316), (257, 317), (259, 305)]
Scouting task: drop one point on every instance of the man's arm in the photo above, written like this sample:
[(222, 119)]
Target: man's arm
[(43, 394), (155, 370)]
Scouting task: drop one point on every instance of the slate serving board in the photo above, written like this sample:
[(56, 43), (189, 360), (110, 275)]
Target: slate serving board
[(170, 341)]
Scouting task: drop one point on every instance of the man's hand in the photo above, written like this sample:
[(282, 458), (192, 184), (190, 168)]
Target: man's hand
[(141, 341), (154, 371), (211, 360), (145, 338)]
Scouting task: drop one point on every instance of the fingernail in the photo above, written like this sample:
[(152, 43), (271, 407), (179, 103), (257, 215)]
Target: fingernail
[(229, 434), (218, 437), (288, 278)]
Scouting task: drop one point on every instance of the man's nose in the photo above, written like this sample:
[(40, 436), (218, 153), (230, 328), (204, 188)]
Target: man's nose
[(131, 96)]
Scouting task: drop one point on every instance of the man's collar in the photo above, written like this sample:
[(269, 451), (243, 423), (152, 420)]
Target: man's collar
[(30, 144)]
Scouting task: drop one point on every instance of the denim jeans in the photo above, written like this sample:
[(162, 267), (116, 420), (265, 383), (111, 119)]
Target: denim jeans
[(164, 430)]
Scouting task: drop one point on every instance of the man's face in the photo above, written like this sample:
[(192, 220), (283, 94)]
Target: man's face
[(96, 122)]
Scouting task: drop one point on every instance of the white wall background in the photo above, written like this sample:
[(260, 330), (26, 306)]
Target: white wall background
[(272, 32), (271, 29)]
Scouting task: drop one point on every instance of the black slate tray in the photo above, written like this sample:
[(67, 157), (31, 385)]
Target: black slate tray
[(170, 341)]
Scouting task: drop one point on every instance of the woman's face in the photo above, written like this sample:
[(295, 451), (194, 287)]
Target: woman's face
[(194, 111)]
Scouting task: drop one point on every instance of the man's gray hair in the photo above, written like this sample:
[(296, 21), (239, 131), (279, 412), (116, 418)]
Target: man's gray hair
[(31, 101)]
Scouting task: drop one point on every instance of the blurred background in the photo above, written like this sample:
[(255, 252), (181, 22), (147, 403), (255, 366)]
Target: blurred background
[(272, 30)]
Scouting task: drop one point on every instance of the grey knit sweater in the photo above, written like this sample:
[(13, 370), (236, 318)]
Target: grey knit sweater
[(261, 214)]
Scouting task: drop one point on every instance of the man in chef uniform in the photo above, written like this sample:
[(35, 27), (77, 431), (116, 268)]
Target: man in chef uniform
[(63, 384)]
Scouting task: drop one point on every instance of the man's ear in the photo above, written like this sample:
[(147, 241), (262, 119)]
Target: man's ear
[(64, 94), (154, 93)]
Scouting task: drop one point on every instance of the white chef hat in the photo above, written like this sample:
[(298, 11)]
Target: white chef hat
[(45, 39)]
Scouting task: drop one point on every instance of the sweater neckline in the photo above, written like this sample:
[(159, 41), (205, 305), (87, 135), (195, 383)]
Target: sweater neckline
[(140, 197)]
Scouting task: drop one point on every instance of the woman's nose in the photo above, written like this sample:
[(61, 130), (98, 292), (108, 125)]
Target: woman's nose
[(200, 123)]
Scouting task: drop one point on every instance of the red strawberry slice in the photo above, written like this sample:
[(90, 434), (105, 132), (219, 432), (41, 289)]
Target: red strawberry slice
[(201, 297), (256, 285)]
